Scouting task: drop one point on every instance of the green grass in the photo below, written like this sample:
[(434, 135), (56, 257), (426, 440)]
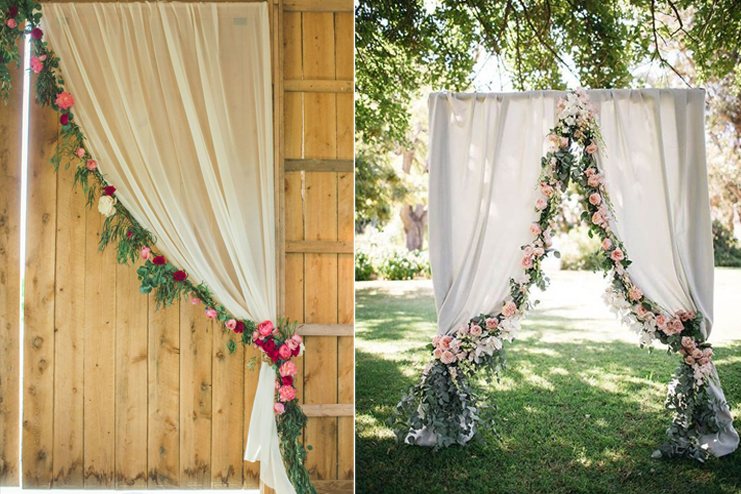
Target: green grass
[(580, 408)]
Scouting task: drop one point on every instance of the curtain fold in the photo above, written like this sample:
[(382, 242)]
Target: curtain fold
[(484, 160), (176, 102)]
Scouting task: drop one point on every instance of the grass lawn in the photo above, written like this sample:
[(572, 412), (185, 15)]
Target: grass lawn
[(580, 408)]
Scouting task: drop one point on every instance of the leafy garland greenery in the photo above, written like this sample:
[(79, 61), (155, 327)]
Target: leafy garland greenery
[(443, 406), (132, 241)]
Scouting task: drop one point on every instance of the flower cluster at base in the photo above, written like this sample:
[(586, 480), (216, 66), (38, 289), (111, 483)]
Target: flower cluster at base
[(132, 241), (443, 406)]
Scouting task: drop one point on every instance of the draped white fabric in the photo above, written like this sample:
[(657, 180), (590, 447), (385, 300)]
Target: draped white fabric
[(175, 100), (484, 160)]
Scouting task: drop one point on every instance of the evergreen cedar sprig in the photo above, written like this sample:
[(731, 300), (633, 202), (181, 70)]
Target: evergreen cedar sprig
[(161, 278)]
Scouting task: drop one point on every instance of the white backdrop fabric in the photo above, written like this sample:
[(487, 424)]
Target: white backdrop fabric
[(176, 102), (484, 160)]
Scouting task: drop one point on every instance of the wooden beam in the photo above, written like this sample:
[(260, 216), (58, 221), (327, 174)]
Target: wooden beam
[(334, 486), (326, 330), (318, 86), (329, 410), (318, 6), (319, 247), (294, 165)]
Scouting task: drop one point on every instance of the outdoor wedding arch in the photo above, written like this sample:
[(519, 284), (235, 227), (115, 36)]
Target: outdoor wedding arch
[(180, 126), (499, 166)]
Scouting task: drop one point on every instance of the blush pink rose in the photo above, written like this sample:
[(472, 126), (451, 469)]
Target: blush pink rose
[(635, 293), (279, 408), (547, 237), (617, 255), (265, 328), (689, 360), (91, 165), (509, 309), (535, 229), (697, 353), (292, 344), (595, 199), (64, 100), (661, 321), (195, 300), (211, 313), (597, 218), (80, 152), (540, 204), (688, 342), (437, 353), (255, 335), (475, 330), (606, 244), (284, 352), (590, 171), (231, 324), (145, 253), (546, 189), (447, 357), (594, 180), (491, 323), (707, 352), (288, 369), (527, 262), (287, 393), (37, 66), (641, 311), (11, 23), (592, 148), (538, 251), (445, 342)]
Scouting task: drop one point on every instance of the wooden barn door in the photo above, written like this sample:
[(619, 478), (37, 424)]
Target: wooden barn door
[(118, 395)]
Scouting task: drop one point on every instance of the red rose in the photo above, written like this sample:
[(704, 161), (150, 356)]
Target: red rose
[(259, 342), (179, 276), (129, 234), (36, 33), (12, 11), (240, 327), (109, 190), (269, 347), (287, 380), (158, 260), (64, 119), (296, 351)]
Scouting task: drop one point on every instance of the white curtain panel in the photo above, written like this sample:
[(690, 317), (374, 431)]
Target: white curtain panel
[(175, 99), (484, 161)]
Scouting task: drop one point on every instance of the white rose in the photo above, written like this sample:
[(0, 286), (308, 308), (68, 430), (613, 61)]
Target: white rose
[(107, 205)]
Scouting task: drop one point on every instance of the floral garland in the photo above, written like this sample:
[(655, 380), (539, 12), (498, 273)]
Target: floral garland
[(442, 404), (168, 284)]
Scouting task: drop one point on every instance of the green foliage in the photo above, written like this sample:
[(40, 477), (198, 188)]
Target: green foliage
[(377, 186), (726, 247), (290, 426), (390, 263), (579, 251), (364, 270)]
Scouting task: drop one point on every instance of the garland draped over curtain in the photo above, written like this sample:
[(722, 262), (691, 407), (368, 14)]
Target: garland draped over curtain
[(484, 159), (175, 99)]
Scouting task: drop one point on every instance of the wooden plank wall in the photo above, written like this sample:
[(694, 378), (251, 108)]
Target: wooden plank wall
[(11, 119), (118, 395)]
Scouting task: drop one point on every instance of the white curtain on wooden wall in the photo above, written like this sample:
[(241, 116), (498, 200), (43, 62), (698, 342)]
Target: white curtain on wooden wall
[(175, 99)]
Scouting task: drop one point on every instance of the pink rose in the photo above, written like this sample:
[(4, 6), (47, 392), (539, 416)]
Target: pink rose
[(491, 323), (641, 311), (528, 251), (475, 330), (287, 393), (546, 189), (592, 148), (590, 171), (265, 328), (527, 262), (595, 199), (707, 352), (11, 23), (195, 300), (538, 251), (64, 100), (211, 313), (673, 327), (547, 237), (292, 344), (146, 253), (606, 244), (284, 352), (91, 165), (594, 180), (509, 309), (447, 357), (597, 218), (635, 293), (279, 408), (688, 342), (288, 369), (445, 341), (697, 353), (42, 57), (661, 321), (80, 152), (255, 335), (37, 66), (535, 229), (231, 324), (617, 255), (689, 360), (437, 353), (540, 204)]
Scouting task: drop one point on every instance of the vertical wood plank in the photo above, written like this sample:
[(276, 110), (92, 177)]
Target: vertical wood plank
[(99, 363), (38, 371), (195, 397), (131, 380), (228, 413), (69, 339), (164, 396), (11, 120)]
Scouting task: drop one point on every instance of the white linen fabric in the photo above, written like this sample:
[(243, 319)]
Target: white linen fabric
[(484, 161), (175, 100)]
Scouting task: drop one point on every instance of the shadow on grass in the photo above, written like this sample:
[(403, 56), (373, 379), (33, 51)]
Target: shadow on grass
[(572, 418)]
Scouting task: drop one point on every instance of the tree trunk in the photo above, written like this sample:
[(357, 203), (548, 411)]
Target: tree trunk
[(414, 219)]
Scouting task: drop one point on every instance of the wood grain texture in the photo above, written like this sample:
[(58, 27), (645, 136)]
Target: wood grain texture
[(319, 86), (318, 5), (293, 165), (38, 310), (69, 337), (11, 119), (132, 348), (317, 246)]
